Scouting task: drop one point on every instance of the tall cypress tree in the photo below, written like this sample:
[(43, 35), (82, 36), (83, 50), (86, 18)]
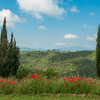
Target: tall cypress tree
[(98, 54), (4, 41), (9, 58), (3, 49)]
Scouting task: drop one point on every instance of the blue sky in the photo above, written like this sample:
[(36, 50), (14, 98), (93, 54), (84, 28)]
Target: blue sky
[(52, 23)]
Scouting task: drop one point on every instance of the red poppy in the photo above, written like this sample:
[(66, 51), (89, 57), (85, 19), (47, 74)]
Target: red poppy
[(54, 76), (48, 81), (64, 84), (73, 84)]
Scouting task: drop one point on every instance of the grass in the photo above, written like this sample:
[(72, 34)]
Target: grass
[(47, 97)]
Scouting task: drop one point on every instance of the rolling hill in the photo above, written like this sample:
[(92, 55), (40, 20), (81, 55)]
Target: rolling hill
[(77, 63)]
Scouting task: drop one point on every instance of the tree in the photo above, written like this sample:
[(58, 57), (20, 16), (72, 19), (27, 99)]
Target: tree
[(9, 54), (13, 55), (3, 49), (16, 56), (98, 54)]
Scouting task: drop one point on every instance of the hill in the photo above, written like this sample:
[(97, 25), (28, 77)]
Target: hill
[(77, 63)]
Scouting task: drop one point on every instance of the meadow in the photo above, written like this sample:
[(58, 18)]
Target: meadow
[(40, 73)]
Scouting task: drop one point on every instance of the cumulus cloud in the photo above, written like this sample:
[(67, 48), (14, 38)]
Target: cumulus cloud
[(59, 44), (91, 38), (92, 14), (42, 27), (74, 9), (11, 17), (70, 36), (39, 7)]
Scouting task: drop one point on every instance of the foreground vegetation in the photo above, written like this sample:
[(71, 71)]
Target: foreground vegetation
[(48, 97), (38, 84), (79, 63)]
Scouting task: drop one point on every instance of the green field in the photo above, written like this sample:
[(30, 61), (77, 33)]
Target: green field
[(80, 63)]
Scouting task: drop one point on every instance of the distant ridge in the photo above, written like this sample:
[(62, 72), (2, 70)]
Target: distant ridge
[(60, 49)]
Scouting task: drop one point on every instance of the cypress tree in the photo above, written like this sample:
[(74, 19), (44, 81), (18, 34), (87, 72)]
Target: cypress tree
[(16, 56), (3, 49), (98, 54), (9, 58)]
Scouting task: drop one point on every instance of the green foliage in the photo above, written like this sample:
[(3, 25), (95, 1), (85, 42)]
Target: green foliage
[(50, 73), (22, 72), (98, 54)]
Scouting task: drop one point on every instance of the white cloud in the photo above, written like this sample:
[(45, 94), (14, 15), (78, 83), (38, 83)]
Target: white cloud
[(70, 36), (85, 26), (59, 44), (42, 27), (92, 14), (91, 38), (11, 17), (74, 9), (39, 7)]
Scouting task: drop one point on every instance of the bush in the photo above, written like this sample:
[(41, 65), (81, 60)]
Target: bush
[(50, 73), (23, 72)]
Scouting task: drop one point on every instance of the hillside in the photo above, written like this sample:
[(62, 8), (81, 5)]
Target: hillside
[(78, 63)]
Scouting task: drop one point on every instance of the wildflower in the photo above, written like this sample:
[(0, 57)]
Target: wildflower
[(24, 81), (10, 81), (21, 83), (48, 81), (64, 84), (74, 81), (54, 76), (73, 84), (26, 77), (6, 82), (64, 79), (89, 84), (36, 74), (45, 85)]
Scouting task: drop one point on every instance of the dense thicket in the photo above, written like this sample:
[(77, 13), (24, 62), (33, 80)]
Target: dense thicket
[(9, 54)]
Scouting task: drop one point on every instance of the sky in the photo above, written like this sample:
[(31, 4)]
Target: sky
[(51, 24)]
